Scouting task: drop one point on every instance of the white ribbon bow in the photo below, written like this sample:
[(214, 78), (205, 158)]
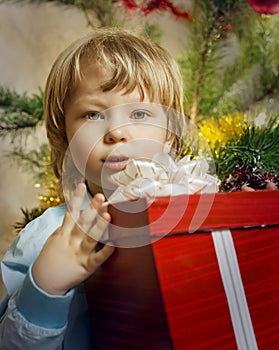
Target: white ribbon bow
[(163, 177)]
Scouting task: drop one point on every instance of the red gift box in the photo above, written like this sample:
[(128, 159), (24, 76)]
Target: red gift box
[(190, 272)]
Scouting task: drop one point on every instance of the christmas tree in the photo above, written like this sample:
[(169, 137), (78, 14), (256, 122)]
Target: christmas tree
[(231, 79), (230, 68)]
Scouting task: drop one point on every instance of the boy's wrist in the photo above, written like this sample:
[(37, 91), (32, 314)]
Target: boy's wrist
[(41, 308), (39, 274)]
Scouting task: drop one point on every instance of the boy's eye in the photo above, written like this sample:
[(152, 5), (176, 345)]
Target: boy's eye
[(139, 115), (94, 116)]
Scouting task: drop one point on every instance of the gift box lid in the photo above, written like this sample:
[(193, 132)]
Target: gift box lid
[(135, 223), (214, 211)]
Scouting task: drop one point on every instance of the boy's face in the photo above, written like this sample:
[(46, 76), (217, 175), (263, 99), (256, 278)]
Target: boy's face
[(105, 129)]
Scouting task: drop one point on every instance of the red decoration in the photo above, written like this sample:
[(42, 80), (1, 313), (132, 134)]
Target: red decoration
[(250, 176), (149, 6), (267, 7)]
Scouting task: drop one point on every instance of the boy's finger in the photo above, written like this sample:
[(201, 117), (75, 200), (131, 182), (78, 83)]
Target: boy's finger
[(96, 259), (101, 224), (95, 234), (74, 205), (247, 188), (97, 201), (88, 216), (271, 186)]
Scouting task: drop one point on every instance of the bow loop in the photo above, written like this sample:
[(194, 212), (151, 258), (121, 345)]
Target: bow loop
[(163, 177)]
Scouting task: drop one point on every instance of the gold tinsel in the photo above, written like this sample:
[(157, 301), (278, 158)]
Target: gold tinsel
[(218, 131), (48, 188)]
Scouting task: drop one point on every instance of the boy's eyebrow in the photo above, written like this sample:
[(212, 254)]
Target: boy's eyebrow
[(91, 100)]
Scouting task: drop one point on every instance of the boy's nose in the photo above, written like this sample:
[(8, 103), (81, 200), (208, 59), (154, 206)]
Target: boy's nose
[(116, 135)]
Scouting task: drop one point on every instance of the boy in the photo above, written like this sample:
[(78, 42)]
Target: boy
[(103, 105)]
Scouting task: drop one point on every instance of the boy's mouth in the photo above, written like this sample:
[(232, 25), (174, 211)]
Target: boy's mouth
[(116, 162)]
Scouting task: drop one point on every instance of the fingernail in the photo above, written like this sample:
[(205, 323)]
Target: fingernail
[(80, 189)]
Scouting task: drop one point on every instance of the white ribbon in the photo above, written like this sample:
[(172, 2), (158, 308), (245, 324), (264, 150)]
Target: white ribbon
[(232, 281), (163, 177)]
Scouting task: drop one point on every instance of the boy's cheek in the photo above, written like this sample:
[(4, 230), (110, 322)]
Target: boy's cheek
[(81, 144)]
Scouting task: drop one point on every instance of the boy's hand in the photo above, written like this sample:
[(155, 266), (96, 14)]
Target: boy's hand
[(269, 186), (68, 256)]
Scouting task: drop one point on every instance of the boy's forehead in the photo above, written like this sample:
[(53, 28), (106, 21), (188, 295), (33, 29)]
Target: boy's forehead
[(92, 76), (94, 69), (100, 76)]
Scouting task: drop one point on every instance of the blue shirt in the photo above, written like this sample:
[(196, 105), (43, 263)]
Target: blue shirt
[(29, 317)]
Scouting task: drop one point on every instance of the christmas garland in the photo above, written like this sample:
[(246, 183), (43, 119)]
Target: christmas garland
[(244, 153)]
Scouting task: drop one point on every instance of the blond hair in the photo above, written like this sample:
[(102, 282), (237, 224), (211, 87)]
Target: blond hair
[(135, 62)]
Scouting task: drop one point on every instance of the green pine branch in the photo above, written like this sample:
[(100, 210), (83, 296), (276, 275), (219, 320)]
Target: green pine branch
[(97, 13), (34, 160), (210, 32), (257, 147), (231, 60), (28, 215), (19, 112)]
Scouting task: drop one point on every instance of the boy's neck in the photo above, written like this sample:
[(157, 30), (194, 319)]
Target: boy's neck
[(94, 189)]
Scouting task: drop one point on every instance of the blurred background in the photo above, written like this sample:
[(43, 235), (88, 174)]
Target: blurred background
[(31, 36), (229, 56)]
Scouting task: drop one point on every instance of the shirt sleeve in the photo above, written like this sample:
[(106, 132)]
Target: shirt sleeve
[(41, 308), (29, 317)]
